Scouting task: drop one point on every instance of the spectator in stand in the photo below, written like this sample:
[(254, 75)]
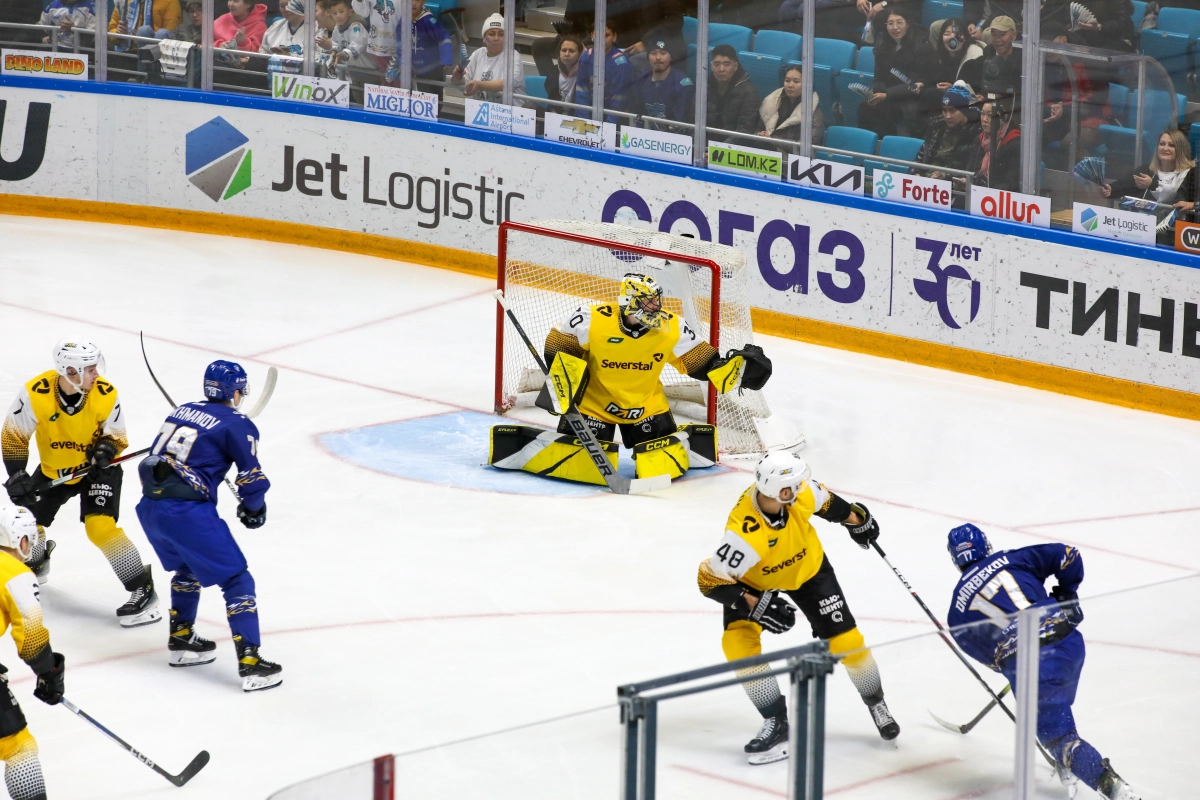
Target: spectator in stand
[(561, 84), (345, 44), (1113, 27), (902, 97), (382, 20), (1001, 168), (241, 29), (21, 12), (68, 15), (287, 37), (780, 115), (432, 53), (577, 20), (1001, 62), (618, 76), (954, 139), (1092, 111), (191, 29), (979, 14), (732, 99), (664, 23), (664, 92), (1169, 178), (483, 79), (149, 18), (873, 17), (957, 57)]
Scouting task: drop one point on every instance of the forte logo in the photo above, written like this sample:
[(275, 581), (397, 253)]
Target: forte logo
[(217, 161)]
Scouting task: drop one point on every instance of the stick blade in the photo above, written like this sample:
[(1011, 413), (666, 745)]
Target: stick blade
[(644, 485), (189, 772), (265, 397), (947, 725)]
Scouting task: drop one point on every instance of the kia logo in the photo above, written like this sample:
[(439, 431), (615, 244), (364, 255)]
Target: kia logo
[(37, 123)]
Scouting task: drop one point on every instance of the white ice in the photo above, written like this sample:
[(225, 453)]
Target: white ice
[(408, 614)]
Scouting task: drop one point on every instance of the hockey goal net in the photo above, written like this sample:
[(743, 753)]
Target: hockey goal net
[(548, 269)]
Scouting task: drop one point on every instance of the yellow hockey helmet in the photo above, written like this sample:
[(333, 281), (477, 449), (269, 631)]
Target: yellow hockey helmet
[(642, 298)]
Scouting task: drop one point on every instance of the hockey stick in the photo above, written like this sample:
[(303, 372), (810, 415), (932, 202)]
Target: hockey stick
[(79, 473), (950, 643), (188, 773), (582, 432), (965, 729)]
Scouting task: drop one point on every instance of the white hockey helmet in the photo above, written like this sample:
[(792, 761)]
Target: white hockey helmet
[(781, 470), (73, 355), (18, 530)]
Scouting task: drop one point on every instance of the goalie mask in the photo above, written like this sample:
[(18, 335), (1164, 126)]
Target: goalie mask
[(781, 470), (18, 530), (78, 360), (642, 298)]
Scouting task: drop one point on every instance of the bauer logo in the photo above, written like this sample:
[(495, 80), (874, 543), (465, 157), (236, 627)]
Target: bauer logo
[(217, 160)]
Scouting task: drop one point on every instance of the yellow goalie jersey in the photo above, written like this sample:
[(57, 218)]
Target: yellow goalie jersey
[(762, 557), (62, 438), (21, 607), (624, 366)]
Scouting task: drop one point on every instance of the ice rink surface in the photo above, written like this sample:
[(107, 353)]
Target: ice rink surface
[(409, 611)]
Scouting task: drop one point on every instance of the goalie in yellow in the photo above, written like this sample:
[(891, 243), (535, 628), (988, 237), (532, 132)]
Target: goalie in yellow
[(607, 359), (771, 552)]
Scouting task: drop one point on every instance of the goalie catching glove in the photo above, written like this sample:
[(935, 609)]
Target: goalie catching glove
[(774, 612), (748, 368), (564, 385)]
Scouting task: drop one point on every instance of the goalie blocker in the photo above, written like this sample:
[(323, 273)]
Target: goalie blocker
[(624, 349)]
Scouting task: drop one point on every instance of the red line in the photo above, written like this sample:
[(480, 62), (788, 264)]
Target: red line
[(731, 781), (890, 775), (371, 322), (1115, 516)]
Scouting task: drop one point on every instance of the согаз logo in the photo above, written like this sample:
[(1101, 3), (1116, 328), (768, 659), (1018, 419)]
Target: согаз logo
[(217, 160)]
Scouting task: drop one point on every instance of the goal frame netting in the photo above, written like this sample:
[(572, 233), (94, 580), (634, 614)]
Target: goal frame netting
[(714, 321)]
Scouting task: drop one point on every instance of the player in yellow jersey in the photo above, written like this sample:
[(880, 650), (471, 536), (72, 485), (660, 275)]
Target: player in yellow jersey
[(770, 552), (614, 354), (21, 608), (75, 416)]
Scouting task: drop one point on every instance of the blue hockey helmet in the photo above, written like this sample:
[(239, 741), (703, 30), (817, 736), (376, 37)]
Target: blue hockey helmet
[(967, 544), (223, 378)]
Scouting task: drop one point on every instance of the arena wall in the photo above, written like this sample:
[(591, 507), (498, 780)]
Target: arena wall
[(1101, 319)]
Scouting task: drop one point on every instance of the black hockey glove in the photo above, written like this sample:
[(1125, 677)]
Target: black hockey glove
[(20, 489), (252, 519), (1070, 604), (102, 452), (50, 686), (866, 531), (774, 612)]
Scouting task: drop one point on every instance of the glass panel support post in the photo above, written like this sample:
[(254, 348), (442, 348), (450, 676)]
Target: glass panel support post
[(206, 47), (806, 727), (102, 15), (406, 49), (510, 48), (599, 59), (1028, 655), (1032, 92), (310, 45), (807, 59), (700, 132)]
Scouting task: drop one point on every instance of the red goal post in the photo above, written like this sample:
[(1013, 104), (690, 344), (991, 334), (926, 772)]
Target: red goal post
[(548, 269)]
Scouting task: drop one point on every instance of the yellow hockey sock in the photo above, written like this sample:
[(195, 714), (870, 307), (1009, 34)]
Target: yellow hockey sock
[(859, 663), (121, 553)]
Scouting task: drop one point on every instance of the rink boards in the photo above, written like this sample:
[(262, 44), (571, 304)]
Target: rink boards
[(1105, 320)]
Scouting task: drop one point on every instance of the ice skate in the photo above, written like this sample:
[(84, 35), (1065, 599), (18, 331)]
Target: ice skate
[(1112, 786), (1069, 779), (141, 608), (185, 648), (257, 673), (889, 729), (770, 743)]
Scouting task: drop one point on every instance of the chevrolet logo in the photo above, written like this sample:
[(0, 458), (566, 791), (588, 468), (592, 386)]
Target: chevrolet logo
[(580, 126)]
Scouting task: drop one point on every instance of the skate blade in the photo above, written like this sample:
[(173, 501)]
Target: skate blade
[(258, 683), (145, 618), (776, 753), (189, 659)]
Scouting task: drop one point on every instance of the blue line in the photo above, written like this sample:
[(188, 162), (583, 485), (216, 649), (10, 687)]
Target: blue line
[(823, 196)]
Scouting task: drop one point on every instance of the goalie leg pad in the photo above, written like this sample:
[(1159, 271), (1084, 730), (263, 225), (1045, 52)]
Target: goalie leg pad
[(546, 454), (665, 456), (701, 442)]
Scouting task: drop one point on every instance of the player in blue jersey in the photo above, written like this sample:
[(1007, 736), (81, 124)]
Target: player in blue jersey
[(993, 588), (193, 452)]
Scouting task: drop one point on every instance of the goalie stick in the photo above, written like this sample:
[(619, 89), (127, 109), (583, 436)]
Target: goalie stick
[(579, 427), (950, 643), (188, 773), (268, 390), (965, 729)]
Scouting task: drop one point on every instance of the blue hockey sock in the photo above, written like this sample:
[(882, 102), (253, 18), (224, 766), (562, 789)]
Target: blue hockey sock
[(185, 595), (1079, 757), (241, 607)]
